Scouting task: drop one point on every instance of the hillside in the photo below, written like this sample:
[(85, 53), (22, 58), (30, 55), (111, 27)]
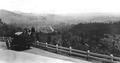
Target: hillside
[(42, 20), (7, 29), (58, 22), (29, 20), (97, 28), (100, 38)]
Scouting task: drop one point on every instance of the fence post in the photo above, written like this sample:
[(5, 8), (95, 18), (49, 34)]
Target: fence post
[(7, 44), (111, 57), (46, 44), (3, 38), (70, 50), (88, 51), (57, 48), (36, 43)]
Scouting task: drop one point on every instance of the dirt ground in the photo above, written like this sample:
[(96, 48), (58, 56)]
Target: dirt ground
[(34, 55)]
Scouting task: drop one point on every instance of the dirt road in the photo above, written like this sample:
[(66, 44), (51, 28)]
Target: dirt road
[(33, 55)]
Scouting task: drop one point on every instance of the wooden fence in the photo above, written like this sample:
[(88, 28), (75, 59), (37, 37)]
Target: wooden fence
[(4, 39), (87, 54)]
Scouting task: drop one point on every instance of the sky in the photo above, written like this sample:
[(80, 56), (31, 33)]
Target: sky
[(62, 6)]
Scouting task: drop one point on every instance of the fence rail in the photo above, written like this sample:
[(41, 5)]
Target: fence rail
[(86, 54), (4, 39)]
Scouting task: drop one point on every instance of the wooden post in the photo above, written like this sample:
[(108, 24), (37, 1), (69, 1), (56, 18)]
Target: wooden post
[(88, 51), (36, 43), (3, 38), (70, 50), (8, 44), (46, 45), (111, 57), (57, 48)]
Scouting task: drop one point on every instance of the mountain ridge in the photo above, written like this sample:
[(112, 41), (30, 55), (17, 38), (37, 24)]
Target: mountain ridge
[(45, 20)]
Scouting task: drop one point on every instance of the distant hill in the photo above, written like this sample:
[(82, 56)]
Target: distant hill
[(19, 17), (97, 28), (1, 23), (40, 21), (29, 20)]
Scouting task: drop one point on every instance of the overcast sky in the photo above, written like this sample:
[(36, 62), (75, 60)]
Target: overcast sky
[(62, 6)]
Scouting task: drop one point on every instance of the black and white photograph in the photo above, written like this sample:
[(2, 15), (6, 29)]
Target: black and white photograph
[(59, 31)]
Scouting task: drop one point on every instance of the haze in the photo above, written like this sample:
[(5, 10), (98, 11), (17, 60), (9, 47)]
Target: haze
[(62, 6)]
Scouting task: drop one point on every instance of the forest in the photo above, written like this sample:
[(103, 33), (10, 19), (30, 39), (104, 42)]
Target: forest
[(103, 38)]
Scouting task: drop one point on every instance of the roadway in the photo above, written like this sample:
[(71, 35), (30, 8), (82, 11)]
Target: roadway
[(34, 55)]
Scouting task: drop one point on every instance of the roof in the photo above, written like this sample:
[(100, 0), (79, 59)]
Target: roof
[(18, 33)]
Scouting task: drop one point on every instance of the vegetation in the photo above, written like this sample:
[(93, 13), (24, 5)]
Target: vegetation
[(8, 30), (103, 38), (100, 38)]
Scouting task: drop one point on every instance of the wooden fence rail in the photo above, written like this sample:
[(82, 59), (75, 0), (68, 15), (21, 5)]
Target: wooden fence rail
[(86, 54)]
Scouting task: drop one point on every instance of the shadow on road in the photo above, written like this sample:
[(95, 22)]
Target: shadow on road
[(20, 48)]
